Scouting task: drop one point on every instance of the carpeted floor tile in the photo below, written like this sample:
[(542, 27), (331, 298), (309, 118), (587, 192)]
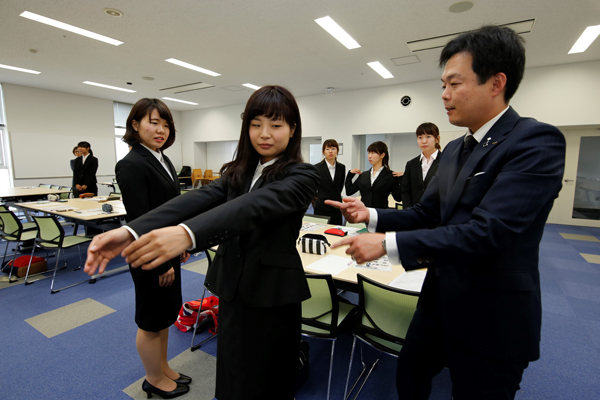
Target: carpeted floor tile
[(572, 236), (591, 258), (63, 319), (198, 365)]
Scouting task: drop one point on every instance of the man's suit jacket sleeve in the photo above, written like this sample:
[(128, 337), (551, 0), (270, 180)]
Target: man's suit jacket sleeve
[(515, 183)]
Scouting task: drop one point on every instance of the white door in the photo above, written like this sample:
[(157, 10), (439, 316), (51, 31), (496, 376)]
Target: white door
[(579, 200)]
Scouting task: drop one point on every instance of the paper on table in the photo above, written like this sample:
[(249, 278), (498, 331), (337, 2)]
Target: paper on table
[(311, 226), (411, 280), (381, 264), (331, 264)]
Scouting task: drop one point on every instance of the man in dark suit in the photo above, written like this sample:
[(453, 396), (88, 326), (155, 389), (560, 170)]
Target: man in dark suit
[(332, 175), (477, 229), (84, 171)]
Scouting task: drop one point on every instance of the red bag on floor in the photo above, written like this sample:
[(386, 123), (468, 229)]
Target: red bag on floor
[(189, 312)]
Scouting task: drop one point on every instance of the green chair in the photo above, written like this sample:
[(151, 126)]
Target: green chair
[(319, 219), (51, 235), (323, 315), (115, 194), (65, 196), (399, 206), (45, 185), (116, 187), (14, 231), (210, 256), (55, 187), (382, 320)]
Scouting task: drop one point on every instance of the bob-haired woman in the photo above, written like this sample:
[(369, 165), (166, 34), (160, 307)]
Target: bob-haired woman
[(148, 179), (254, 213), (332, 182), (84, 170), (377, 183), (421, 169)]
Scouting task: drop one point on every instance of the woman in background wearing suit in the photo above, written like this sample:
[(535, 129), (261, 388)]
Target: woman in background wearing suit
[(254, 213), (421, 169), (332, 182), (84, 170), (148, 179), (376, 184)]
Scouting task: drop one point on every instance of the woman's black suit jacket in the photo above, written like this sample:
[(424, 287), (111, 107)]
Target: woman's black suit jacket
[(86, 174), (413, 185), (375, 196), (257, 260), (145, 185), (330, 190)]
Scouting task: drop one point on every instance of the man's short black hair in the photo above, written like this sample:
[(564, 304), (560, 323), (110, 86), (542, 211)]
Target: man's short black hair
[(494, 49)]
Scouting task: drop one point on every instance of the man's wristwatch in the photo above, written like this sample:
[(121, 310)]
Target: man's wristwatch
[(384, 246)]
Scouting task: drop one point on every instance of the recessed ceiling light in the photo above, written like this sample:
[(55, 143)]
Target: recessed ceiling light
[(586, 39), (147, 78), (70, 28), (109, 87), (251, 86), (191, 66), (113, 12), (380, 69), (180, 101), (29, 71), (461, 7), (337, 32)]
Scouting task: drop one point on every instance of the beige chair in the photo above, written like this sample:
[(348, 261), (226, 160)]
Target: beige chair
[(207, 175), (197, 178)]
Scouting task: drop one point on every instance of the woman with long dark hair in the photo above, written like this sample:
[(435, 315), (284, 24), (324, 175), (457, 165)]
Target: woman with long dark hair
[(421, 169), (378, 182), (148, 179), (254, 213)]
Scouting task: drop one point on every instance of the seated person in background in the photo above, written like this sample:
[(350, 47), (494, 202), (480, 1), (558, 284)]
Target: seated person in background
[(332, 182), (376, 184), (421, 169)]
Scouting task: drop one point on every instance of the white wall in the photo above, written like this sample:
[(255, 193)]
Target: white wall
[(564, 95), (45, 125)]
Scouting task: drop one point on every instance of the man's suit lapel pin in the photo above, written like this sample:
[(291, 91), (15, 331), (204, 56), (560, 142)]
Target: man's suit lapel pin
[(487, 142)]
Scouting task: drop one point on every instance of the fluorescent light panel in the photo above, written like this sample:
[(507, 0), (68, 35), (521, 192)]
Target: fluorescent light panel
[(109, 87), (180, 101), (586, 39), (29, 71), (251, 86), (440, 41), (380, 69), (70, 28), (337, 32), (191, 66)]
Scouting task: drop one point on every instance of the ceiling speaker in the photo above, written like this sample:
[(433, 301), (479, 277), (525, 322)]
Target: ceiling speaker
[(405, 101)]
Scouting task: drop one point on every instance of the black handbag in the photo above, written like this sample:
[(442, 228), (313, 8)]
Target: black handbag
[(314, 244)]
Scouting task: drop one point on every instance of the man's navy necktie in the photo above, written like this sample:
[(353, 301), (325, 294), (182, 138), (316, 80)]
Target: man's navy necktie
[(469, 144)]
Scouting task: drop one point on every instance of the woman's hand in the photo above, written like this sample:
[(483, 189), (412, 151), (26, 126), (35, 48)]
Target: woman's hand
[(83, 187), (105, 247), (398, 173), (184, 257), (157, 247), (167, 278), (78, 187), (355, 171)]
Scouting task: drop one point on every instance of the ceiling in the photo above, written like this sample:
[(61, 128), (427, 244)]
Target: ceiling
[(261, 42)]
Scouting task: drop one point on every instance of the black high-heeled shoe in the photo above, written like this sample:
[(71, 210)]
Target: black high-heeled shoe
[(178, 391), (183, 379)]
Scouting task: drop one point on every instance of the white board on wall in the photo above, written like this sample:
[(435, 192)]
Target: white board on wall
[(43, 155)]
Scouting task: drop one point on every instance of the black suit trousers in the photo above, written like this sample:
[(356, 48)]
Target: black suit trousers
[(474, 377)]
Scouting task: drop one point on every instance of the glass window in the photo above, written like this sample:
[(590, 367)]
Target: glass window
[(121, 111)]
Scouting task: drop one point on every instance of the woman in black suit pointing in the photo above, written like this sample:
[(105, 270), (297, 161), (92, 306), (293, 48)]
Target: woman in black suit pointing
[(148, 179), (254, 213)]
